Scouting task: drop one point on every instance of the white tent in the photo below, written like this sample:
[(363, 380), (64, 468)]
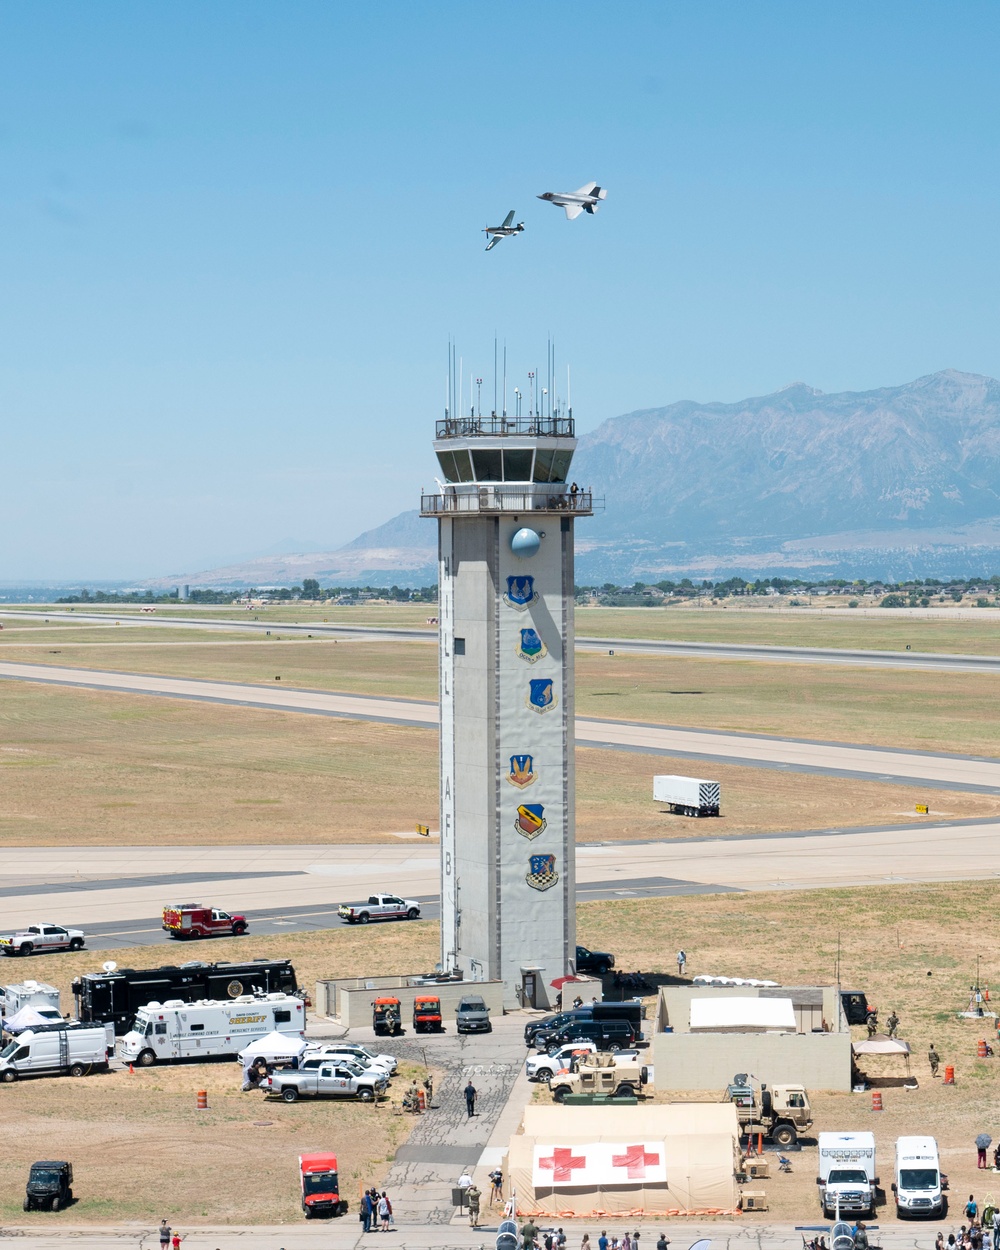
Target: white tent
[(661, 1159), (274, 1048), (28, 1018), (742, 1015)]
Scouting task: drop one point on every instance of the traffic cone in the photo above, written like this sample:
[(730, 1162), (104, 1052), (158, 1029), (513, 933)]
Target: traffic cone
[(949, 1075), (981, 1048), (876, 1100), (131, 1070)]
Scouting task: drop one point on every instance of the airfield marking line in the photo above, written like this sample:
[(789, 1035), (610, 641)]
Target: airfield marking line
[(903, 766)]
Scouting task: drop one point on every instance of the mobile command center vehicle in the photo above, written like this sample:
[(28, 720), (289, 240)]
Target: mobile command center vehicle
[(178, 1030), (847, 1177), (917, 1186), (53, 1051)]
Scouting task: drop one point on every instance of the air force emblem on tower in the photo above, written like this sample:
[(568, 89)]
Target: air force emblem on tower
[(521, 592), (531, 647), (522, 771), (542, 873), (541, 694), (530, 820)]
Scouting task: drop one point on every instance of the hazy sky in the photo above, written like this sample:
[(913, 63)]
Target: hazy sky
[(236, 238)]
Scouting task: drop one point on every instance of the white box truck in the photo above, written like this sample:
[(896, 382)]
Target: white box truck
[(847, 1177), (49, 1052), (179, 1030), (688, 796), (917, 1186), (44, 998)]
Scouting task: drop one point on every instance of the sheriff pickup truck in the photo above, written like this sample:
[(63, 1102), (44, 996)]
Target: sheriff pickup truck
[(337, 1079), (41, 937), (380, 907)]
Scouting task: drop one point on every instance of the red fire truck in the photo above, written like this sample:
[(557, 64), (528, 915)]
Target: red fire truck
[(320, 1185), (195, 920)]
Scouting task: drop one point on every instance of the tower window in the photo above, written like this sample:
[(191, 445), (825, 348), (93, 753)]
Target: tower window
[(487, 465), (517, 466), (460, 646)]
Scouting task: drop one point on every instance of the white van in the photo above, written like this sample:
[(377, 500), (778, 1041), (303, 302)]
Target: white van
[(179, 1030), (49, 1052), (918, 1177)]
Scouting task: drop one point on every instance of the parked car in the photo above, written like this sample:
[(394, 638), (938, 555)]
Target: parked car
[(472, 1015), (610, 1035), (329, 1080)]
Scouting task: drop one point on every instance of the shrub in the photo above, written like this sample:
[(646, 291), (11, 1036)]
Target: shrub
[(893, 601)]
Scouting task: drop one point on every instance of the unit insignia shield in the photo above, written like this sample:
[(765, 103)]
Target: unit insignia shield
[(522, 771), (530, 820), (542, 873), (531, 647), (541, 694), (521, 592)]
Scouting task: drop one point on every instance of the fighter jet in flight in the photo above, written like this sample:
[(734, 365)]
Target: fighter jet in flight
[(504, 231), (585, 200)]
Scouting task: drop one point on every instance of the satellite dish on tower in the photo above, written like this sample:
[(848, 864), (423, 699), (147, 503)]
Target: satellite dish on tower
[(109, 965)]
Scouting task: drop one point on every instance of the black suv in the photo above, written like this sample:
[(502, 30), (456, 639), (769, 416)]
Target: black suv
[(49, 1185), (608, 1034), (549, 1024), (594, 961)]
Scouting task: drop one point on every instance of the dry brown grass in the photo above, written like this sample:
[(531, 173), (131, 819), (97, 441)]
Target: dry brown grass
[(912, 948), (81, 767), (141, 1150)]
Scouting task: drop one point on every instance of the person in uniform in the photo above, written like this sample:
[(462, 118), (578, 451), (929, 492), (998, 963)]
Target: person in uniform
[(934, 1059), (892, 1024), (474, 1196)]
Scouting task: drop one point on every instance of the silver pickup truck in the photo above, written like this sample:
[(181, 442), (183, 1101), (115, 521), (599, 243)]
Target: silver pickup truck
[(336, 1079)]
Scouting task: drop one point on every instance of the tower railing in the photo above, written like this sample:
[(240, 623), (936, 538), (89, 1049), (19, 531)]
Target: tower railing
[(493, 426), (500, 498)]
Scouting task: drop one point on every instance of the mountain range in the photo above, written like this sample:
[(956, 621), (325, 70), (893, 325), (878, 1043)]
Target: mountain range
[(888, 483)]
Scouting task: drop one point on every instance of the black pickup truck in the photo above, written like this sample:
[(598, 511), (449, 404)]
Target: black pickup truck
[(593, 961)]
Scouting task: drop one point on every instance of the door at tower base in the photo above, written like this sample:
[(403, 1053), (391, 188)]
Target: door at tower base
[(653, 1159)]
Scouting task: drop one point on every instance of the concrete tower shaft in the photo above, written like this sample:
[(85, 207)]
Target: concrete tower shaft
[(505, 524)]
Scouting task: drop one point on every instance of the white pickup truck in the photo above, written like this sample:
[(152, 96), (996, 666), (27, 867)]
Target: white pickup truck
[(41, 937), (337, 1079), (380, 907)]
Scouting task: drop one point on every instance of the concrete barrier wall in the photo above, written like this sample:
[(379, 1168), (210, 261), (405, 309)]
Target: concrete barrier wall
[(350, 1002), (709, 1061)]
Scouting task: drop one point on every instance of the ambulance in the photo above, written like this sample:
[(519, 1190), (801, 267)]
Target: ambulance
[(179, 1030)]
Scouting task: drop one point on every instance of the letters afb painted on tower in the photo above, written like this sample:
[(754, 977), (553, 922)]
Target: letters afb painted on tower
[(506, 513)]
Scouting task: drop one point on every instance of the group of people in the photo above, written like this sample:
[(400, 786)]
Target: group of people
[(473, 1195), (982, 1232), (411, 1099), (534, 1238), (376, 1211), (170, 1239)]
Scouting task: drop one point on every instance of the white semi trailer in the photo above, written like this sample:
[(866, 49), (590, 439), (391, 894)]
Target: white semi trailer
[(688, 796)]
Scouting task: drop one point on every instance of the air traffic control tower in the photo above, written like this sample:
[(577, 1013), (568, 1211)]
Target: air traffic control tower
[(506, 513)]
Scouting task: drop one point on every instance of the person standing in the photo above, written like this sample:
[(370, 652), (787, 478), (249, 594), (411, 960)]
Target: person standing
[(585, 1244), (971, 1210), (860, 1237), (996, 1229), (934, 1059), (496, 1187), (384, 1211), (662, 1242), (164, 1235), (982, 1145), (681, 962), (892, 1024), (528, 1231), (474, 1195), (602, 1241), (470, 1099), (175, 1240)]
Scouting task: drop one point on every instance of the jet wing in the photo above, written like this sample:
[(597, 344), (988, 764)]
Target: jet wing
[(573, 210)]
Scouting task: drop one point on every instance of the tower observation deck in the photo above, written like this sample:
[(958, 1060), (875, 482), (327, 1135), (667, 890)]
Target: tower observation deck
[(506, 510)]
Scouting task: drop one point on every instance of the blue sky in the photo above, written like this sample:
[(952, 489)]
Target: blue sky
[(236, 239)]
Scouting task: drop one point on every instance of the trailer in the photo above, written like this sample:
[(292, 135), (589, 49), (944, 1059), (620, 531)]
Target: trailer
[(688, 796)]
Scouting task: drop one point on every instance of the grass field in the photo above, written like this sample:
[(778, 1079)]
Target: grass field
[(882, 707), (910, 948), (80, 767), (141, 1150), (949, 628)]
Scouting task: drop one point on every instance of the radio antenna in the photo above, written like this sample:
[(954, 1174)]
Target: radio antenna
[(505, 377), (495, 385)]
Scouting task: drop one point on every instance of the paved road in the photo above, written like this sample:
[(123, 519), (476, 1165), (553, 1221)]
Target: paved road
[(980, 774), (935, 661), (297, 888)]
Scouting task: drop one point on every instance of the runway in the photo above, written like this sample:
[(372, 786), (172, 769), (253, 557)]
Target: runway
[(927, 770), (116, 894), (928, 661)]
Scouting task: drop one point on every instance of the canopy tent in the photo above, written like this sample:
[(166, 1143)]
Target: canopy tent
[(881, 1046), (274, 1048), (677, 1158), (742, 1015), (28, 1018)]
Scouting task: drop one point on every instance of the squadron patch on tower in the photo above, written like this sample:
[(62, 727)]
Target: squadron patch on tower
[(542, 873), (541, 694), (530, 821), (530, 647), (521, 592), (522, 771)]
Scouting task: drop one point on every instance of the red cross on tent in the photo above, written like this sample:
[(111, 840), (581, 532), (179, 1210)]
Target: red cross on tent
[(562, 1161), (635, 1159)]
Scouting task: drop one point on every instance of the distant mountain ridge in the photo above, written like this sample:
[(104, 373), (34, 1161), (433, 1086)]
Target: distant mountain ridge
[(888, 483)]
